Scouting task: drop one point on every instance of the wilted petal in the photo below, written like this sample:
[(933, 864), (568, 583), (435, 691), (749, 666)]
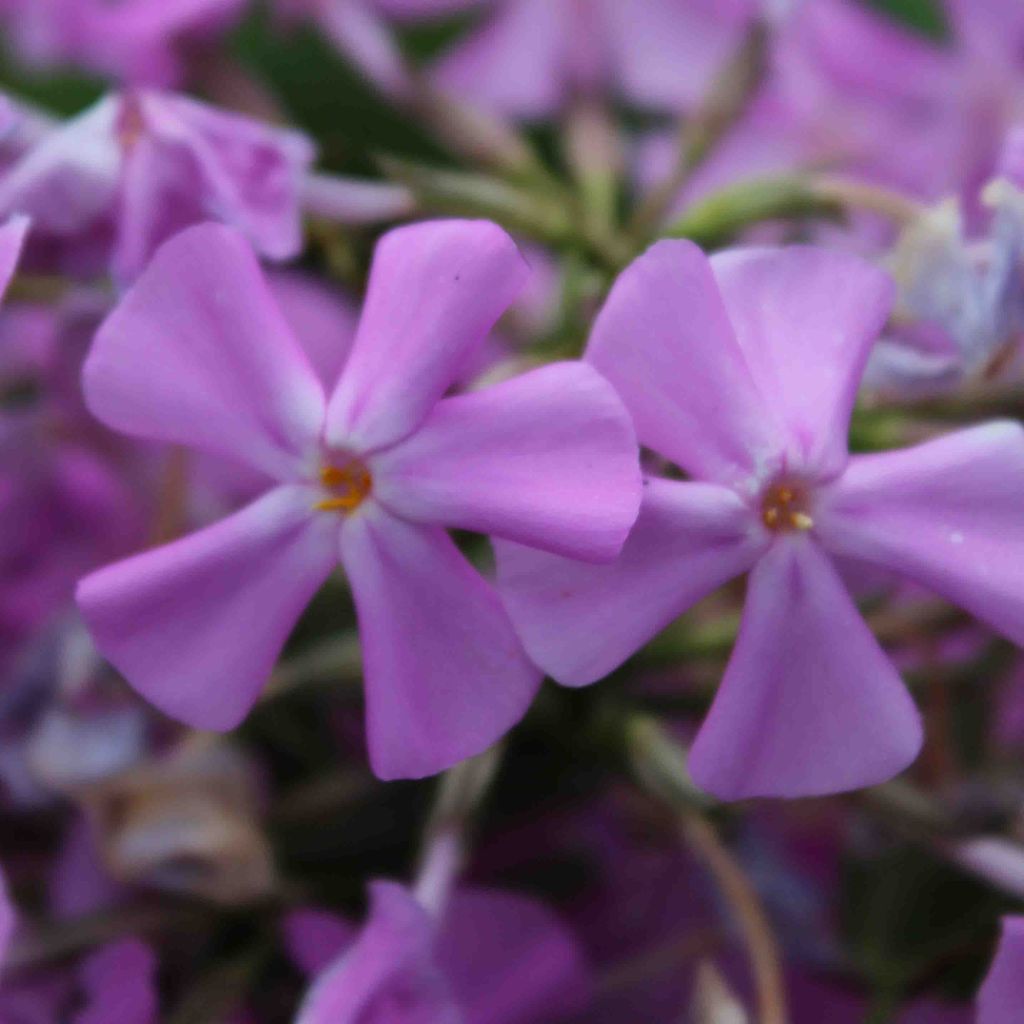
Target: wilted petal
[(198, 354), (579, 621), (664, 341), (388, 976), (806, 319), (515, 63), (1001, 995), (510, 960), (445, 674), (548, 459), (196, 625), (946, 513), (810, 703), (436, 289)]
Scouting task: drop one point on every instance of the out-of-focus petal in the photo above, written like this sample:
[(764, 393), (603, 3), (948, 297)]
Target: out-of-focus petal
[(119, 985), (322, 318), (198, 353), (579, 621), (196, 625), (8, 919), (1001, 995), (509, 960), (314, 938), (667, 53), (664, 340), (12, 238), (548, 459), (68, 180), (515, 63), (810, 703), (436, 289), (388, 975), (946, 513), (806, 319), (445, 674)]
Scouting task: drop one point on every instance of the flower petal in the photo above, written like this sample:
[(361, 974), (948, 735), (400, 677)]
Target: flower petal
[(388, 974), (810, 703), (510, 959), (196, 625), (198, 354), (1002, 993), (436, 289), (668, 52), (445, 674), (515, 63), (946, 513), (548, 459), (68, 180), (806, 319), (12, 239), (664, 341), (579, 621)]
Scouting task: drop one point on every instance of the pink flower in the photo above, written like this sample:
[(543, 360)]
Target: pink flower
[(1002, 992), (198, 354), (129, 172), (530, 55), (743, 370), (494, 958), (135, 41)]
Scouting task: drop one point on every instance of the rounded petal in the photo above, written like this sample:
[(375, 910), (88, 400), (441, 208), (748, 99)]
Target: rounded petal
[(1002, 993), (436, 289), (947, 514), (806, 319), (579, 621), (196, 625), (664, 341), (548, 459), (810, 703), (388, 974), (197, 353), (445, 674), (119, 984)]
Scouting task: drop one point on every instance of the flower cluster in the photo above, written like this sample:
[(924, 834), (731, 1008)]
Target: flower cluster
[(456, 456)]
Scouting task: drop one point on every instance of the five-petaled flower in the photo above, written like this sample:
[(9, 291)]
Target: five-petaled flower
[(198, 354), (743, 370)]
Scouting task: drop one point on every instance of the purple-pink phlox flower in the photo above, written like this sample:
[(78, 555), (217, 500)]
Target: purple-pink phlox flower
[(135, 168), (1001, 995), (367, 474), (529, 56), (742, 370), (493, 958), (138, 42)]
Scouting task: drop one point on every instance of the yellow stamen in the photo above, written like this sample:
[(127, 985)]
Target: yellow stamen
[(801, 521), (786, 506), (349, 486)]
